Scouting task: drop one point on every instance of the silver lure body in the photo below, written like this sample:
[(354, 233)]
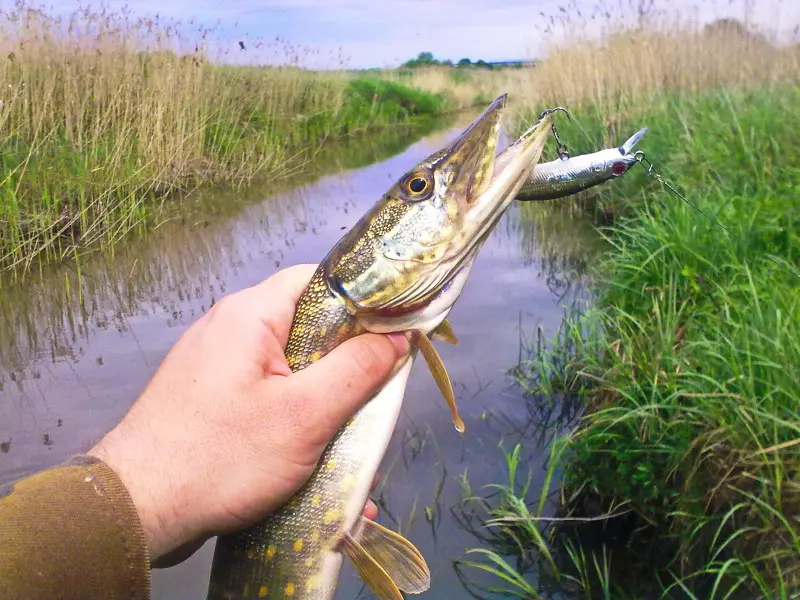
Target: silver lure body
[(565, 176)]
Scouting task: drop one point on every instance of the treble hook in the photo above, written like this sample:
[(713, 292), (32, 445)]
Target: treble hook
[(552, 110), (561, 147)]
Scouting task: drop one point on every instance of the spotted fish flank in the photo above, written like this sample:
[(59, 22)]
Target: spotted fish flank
[(399, 269)]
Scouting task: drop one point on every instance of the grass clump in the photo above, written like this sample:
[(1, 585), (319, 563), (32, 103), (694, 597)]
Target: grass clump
[(104, 116), (394, 101), (687, 363)]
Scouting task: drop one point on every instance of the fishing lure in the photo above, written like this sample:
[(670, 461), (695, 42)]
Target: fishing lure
[(568, 175)]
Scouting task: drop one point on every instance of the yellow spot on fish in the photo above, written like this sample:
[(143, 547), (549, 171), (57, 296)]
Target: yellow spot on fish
[(298, 545), (315, 536), (292, 502), (315, 356), (348, 482), (271, 551), (316, 499), (330, 465), (312, 582), (289, 589), (331, 515), (323, 331), (263, 591)]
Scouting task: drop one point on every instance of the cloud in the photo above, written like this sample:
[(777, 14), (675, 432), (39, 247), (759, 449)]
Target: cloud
[(387, 32)]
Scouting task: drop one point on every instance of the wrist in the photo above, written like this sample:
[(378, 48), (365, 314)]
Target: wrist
[(133, 471)]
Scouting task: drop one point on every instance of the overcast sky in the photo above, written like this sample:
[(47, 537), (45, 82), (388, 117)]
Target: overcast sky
[(379, 33)]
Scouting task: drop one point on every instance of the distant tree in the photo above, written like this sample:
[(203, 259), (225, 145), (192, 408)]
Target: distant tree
[(735, 29), (424, 59), (733, 26)]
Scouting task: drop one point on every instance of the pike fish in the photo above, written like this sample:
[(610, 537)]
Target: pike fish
[(566, 176), (399, 269)]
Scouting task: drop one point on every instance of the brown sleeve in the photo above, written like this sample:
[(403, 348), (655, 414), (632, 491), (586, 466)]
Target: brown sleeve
[(72, 532)]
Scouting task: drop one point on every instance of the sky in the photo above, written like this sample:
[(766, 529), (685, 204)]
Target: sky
[(385, 33)]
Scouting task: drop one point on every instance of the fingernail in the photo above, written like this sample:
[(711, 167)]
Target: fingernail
[(400, 343)]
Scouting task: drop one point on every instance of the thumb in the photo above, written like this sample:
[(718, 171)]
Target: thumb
[(348, 376)]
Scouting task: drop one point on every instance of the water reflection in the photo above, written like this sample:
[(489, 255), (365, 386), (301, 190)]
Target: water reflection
[(79, 342), (190, 254)]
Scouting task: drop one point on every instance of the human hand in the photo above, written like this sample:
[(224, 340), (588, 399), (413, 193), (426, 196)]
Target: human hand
[(225, 433)]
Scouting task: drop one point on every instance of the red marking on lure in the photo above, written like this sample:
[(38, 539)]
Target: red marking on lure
[(619, 168)]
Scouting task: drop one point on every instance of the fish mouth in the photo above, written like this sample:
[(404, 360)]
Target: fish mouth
[(486, 191), (467, 163)]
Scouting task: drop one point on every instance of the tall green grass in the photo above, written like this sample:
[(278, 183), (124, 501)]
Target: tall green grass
[(104, 116), (689, 365)]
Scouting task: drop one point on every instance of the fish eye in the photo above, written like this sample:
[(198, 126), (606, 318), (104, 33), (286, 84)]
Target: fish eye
[(418, 184)]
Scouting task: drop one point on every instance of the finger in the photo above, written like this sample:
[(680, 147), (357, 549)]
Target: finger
[(338, 384), (274, 299), (370, 510)]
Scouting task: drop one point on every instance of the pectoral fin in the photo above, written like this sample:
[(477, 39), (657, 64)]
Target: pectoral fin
[(402, 561), (445, 333), (435, 364), (373, 574)]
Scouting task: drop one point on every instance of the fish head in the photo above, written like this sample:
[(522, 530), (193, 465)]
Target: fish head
[(404, 263)]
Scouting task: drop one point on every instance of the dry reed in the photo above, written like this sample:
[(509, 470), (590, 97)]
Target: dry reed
[(625, 68), (103, 114)]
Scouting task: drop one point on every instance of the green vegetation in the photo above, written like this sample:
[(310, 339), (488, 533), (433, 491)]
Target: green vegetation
[(681, 480), (391, 102), (426, 59), (103, 122)]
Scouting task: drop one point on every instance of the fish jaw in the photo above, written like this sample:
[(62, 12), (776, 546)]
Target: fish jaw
[(426, 318)]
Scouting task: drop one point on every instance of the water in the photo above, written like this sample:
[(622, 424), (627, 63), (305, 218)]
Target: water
[(80, 342)]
